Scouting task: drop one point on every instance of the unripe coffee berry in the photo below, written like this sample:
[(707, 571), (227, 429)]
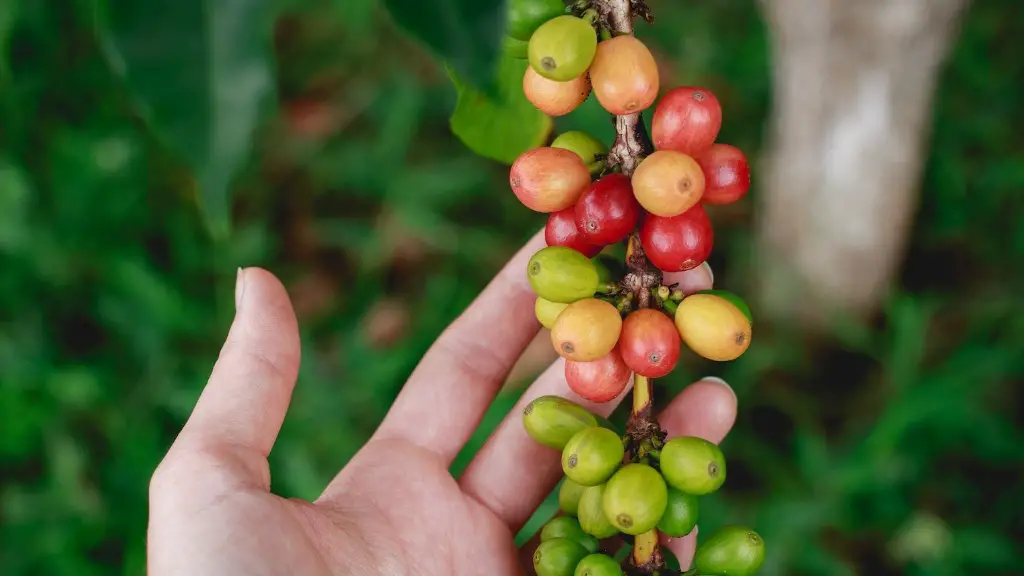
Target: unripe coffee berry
[(598, 565), (563, 275), (668, 183), (525, 16), (562, 48), (569, 494), (552, 97), (548, 179), (591, 513), (624, 75), (680, 515), (731, 550), (592, 456), (568, 527), (693, 465), (552, 420), (585, 146), (558, 557), (634, 498)]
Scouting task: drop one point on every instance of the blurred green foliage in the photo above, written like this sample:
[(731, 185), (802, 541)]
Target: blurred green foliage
[(891, 447)]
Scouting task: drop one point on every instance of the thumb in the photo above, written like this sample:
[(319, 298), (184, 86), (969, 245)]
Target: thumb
[(244, 403)]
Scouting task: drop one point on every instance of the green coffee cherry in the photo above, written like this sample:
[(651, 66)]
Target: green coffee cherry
[(553, 420), (585, 146), (569, 495), (591, 513), (734, 299), (680, 514), (568, 527), (562, 48), (525, 16), (547, 312), (731, 551), (693, 465), (598, 565), (518, 49), (592, 455), (635, 498), (558, 557), (563, 275)]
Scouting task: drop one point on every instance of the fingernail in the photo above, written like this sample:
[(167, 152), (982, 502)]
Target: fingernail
[(239, 287), (718, 380), (710, 273)]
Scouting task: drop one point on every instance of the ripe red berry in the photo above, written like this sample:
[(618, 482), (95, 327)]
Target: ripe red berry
[(600, 380), (687, 120), (649, 343), (607, 212), (548, 179), (561, 231), (726, 174), (678, 243)]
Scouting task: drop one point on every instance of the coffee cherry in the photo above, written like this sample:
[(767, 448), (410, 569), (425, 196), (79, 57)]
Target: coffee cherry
[(598, 565), (726, 174), (649, 343), (679, 243), (563, 48), (515, 48), (586, 330), (591, 513), (731, 551), (558, 557), (568, 527), (561, 230), (668, 183), (592, 455), (713, 327), (547, 312), (693, 465), (686, 120), (635, 498), (548, 179), (624, 75), (555, 98), (552, 420), (603, 379), (569, 495), (560, 274), (607, 212), (585, 146), (523, 17), (680, 514)]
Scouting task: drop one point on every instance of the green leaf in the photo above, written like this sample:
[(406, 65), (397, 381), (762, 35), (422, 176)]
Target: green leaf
[(201, 74), (503, 126), (465, 34)]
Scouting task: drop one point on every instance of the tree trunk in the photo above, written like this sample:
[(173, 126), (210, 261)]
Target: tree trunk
[(853, 86)]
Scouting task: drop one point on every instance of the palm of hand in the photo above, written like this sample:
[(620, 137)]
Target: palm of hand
[(395, 508)]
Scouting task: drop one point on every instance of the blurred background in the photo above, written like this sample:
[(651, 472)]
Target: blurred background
[(880, 246)]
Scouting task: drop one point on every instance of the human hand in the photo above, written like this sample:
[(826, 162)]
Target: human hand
[(394, 508)]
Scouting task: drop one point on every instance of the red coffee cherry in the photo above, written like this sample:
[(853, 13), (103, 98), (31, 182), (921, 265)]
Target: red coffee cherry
[(678, 243)]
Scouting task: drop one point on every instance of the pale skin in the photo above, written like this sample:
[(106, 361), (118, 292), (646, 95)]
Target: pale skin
[(394, 508)]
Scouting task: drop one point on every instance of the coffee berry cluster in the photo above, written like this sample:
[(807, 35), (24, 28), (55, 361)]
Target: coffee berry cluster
[(615, 321)]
